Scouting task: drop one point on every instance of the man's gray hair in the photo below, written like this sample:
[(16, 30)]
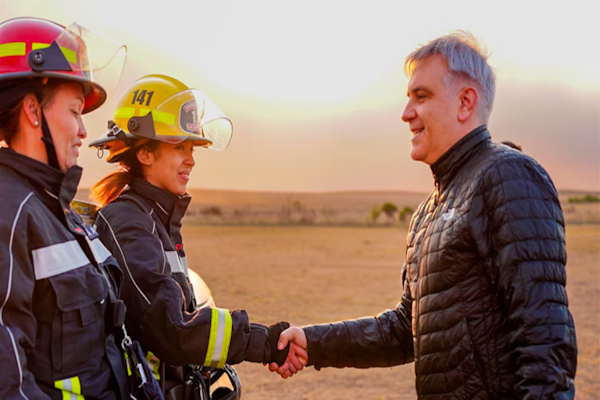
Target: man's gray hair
[(465, 58)]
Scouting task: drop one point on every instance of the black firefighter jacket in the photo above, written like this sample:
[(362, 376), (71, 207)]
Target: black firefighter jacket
[(484, 312), (54, 278), (143, 229)]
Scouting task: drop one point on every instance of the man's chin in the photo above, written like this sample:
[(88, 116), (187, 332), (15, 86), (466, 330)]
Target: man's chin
[(416, 156)]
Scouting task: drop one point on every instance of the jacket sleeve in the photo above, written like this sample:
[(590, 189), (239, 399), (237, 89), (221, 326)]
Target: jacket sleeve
[(17, 321), (525, 231), (382, 341), (155, 302)]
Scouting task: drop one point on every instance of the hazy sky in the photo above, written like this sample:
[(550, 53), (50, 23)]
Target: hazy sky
[(316, 89)]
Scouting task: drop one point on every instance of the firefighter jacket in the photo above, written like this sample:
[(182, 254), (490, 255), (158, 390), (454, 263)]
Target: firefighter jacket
[(143, 229), (484, 286), (54, 289)]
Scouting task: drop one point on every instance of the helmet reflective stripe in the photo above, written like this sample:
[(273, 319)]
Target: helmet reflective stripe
[(157, 116), (71, 388), (12, 49), (220, 338), (69, 54), (20, 49)]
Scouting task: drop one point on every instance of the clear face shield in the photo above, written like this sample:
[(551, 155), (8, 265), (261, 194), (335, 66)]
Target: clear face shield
[(93, 55)]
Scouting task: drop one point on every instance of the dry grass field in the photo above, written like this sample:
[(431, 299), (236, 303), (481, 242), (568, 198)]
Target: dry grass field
[(310, 275)]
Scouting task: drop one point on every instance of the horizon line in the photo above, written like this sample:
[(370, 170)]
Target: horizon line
[(274, 191)]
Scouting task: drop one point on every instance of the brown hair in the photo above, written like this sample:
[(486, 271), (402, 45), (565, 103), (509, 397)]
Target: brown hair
[(9, 113), (110, 187)]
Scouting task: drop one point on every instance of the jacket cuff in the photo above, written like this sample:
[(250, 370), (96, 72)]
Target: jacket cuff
[(258, 346), (313, 348)]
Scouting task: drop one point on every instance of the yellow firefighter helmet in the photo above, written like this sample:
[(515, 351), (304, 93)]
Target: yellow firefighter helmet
[(158, 107)]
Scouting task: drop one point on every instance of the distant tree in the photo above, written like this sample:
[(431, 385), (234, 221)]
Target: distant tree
[(588, 198), (389, 209), (375, 213), (404, 212)]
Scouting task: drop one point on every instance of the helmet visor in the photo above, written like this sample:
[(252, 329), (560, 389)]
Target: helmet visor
[(188, 115), (98, 58)]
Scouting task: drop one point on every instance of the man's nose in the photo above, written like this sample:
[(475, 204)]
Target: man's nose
[(409, 113)]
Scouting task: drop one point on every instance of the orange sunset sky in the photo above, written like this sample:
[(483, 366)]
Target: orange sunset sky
[(316, 89)]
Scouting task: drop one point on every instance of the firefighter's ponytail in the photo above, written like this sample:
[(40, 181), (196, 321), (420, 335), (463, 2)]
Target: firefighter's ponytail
[(110, 187)]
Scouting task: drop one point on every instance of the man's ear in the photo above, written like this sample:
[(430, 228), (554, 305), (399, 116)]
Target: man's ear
[(468, 98), (144, 156), (31, 110)]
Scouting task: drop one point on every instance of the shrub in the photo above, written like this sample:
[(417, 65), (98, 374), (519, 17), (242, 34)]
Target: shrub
[(588, 198), (375, 213), (405, 211), (389, 209)]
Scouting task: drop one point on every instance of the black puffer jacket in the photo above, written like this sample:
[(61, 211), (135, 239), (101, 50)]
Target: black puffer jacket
[(484, 286)]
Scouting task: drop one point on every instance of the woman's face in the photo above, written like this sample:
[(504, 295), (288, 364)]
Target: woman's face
[(63, 115), (170, 166)]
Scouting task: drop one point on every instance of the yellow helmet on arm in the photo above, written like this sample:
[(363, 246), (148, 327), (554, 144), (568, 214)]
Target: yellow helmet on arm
[(158, 107)]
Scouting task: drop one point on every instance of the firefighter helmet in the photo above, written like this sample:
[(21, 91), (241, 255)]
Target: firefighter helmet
[(38, 48), (158, 107)]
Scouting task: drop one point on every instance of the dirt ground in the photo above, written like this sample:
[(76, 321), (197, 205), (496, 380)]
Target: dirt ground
[(309, 275)]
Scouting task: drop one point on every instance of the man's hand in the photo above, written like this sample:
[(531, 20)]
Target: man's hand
[(297, 357)]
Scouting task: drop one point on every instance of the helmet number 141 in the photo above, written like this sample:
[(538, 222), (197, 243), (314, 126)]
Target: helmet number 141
[(141, 97)]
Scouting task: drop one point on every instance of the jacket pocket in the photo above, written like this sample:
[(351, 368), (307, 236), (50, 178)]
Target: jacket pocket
[(78, 326)]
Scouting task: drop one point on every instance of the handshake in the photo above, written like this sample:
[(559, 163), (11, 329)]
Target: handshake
[(297, 357)]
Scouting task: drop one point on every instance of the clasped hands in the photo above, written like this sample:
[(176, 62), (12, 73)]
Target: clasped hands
[(297, 357)]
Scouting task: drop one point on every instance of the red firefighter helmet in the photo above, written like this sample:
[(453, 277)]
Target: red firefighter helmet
[(38, 48)]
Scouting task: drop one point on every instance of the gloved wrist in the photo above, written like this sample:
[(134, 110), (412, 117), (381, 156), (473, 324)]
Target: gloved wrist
[(277, 356)]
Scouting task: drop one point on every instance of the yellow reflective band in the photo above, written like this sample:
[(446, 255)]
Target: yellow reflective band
[(12, 49), (69, 54), (37, 46), (214, 326), (71, 388), (220, 338), (128, 364), (154, 364), (124, 112), (157, 116), (226, 341)]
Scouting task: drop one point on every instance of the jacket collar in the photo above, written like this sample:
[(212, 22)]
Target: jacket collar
[(49, 183), (446, 167), (169, 207)]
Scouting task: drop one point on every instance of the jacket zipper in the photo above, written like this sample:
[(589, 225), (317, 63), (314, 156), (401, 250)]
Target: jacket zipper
[(479, 366), (418, 358)]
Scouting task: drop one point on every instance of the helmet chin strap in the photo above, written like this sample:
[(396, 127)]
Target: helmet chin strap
[(49, 143)]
